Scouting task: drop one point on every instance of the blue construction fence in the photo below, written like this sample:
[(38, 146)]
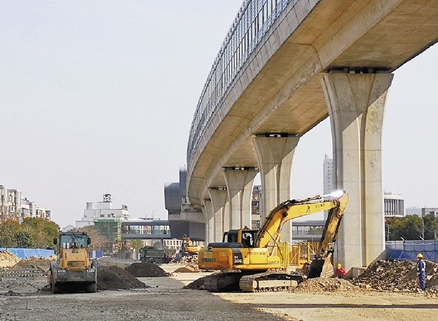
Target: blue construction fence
[(408, 250), (28, 253), (41, 253)]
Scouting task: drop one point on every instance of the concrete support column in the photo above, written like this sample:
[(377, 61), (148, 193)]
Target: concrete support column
[(207, 209), (275, 154), (218, 197), (239, 186), (356, 107)]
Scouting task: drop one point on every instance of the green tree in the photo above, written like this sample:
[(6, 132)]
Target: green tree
[(41, 231), (137, 245), (7, 233), (23, 239), (412, 227), (430, 227)]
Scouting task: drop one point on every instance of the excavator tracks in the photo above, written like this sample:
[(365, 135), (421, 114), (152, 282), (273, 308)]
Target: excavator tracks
[(269, 281), (223, 282)]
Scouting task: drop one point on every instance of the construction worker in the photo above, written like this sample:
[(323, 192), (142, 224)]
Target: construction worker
[(340, 271), (421, 271)]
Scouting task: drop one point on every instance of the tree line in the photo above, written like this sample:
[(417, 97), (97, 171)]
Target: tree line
[(411, 227), (40, 233), (31, 233)]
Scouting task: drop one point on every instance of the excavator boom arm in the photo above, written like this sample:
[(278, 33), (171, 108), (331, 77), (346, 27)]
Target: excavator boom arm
[(291, 209)]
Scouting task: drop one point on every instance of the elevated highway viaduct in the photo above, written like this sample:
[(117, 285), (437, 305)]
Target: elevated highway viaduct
[(284, 67)]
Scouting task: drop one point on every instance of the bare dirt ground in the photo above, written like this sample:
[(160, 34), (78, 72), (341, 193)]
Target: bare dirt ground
[(164, 298)]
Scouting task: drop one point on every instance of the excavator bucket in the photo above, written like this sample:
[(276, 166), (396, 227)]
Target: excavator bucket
[(321, 268), (327, 268)]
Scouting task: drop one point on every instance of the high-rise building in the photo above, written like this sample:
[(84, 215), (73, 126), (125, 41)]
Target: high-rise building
[(328, 178), (393, 203), (13, 206)]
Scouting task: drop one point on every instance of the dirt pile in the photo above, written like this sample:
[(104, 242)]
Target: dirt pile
[(394, 275), (325, 285), (7, 259), (116, 278), (42, 264), (145, 270), (189, 268)]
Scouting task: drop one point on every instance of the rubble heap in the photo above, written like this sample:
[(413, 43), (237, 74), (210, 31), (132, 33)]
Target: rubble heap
[(7, 259), (42, 264), (394, 275), (145, 270), (325, 285), (190, 268)]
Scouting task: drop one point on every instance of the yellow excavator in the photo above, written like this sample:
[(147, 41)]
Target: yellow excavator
[(188, 248), (256, 260)]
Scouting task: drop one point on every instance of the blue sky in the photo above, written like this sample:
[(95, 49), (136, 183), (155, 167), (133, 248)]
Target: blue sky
[(98, 97)]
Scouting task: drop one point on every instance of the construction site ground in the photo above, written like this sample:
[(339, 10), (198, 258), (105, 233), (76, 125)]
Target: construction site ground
[(171, 292)]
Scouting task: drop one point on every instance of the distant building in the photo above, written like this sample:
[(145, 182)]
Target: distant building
[(14, 206), (429, 210), (101, 211), (328, 178), (394, 205), (413, 210), (184, 218), (255, 206)]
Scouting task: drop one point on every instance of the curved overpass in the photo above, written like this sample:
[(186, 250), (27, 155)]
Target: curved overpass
[(283, 68), (277, 87)]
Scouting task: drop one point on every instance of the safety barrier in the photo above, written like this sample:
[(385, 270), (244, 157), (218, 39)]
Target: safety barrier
[(408, 250), (21, 273)]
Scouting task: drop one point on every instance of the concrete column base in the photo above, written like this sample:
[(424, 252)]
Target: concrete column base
[(218, 199)]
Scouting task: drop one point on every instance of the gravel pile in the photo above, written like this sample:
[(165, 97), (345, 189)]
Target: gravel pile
[(325, 285)]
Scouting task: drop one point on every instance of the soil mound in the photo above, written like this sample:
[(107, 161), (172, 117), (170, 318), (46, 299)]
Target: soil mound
[(190, 268), (325, 285), (145, 270), (42, 264), (115, 278)]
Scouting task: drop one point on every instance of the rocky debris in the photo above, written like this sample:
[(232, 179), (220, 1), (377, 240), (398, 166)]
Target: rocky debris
[(116, 278), (324, 285), (187, 259), (395, 275), (7, 259), (145, 270), (189, 268)]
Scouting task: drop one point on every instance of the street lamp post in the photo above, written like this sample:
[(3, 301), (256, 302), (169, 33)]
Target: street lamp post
[(422, 227)]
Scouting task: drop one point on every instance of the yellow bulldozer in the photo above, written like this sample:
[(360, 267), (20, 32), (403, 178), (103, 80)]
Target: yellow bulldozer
[(73, 271)]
